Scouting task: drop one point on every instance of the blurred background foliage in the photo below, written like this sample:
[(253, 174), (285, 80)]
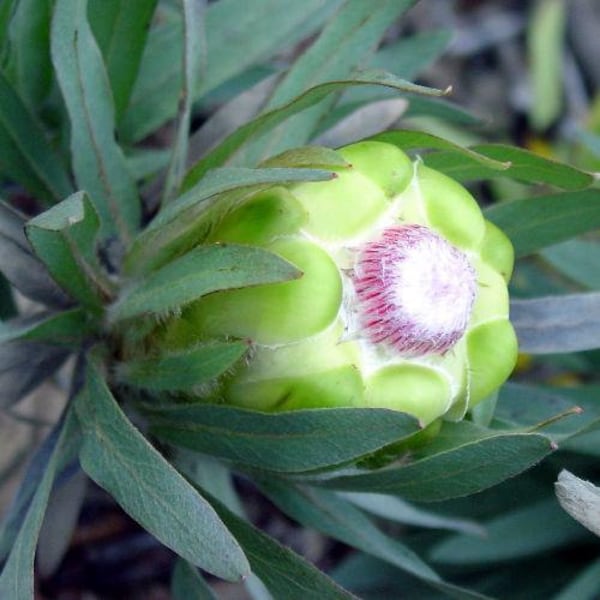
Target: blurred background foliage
[(522, 72)]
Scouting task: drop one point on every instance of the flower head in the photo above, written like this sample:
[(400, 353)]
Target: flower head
[(402, 304)]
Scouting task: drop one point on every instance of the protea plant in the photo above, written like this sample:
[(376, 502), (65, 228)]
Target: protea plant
[(223, 296), (400, 300)]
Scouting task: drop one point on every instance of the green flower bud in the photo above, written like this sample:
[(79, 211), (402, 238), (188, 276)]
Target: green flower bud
[(402, 304)]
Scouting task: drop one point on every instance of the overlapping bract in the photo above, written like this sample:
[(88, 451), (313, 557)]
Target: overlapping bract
[(310, 347)]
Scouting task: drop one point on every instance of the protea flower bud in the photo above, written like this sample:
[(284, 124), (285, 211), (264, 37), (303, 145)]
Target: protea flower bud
[(402, 304)]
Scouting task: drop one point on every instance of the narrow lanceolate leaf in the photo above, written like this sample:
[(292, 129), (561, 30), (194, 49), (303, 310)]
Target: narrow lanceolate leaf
[(534, 223), (183, 222), (66, 328), (188, 584), (183, 370), (262, 31), (19, 265), (121, 28), (463, 460), (194, 51), (329, 513), (579, 260), (30, 63), (545, 45), (527, 531), (396, 509), (201, 271), (268, 120), (583, 585), (409, 139), (24, 366), (285, 442), (231, 178), (119, 459), (98, 162), (564, 323), (284, 573), (64, 238), (34, 163), (15, 517), (345, 43), (523, 166), (16, 581)]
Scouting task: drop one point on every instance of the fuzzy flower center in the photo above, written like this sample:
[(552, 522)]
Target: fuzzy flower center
[(415, 290)]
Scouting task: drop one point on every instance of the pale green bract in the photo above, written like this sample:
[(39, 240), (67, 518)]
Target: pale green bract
[(308, 347)]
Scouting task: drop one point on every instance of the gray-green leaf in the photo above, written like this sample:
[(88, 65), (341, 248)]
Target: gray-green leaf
[(285, 442), (462, 460), (552, 324), (99, 165), (201, 271), (64, 239), (119, 459)]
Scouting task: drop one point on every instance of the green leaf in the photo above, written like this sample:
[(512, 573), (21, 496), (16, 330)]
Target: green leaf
[(534, 223), (346, 42), (153, 100), (553, 324), (286, 442), (584, 586), (270, 26), (528, 406), (60, 522), (146, 162), (524, 532), (16, 580), (17, 512), (119, 459), (405, 58), (33, 162), (201, 271), (396, 509), (545, 44), (462, 460), (268, 120), (315, 157), (284, 573), (182, 224), (228, 179), (99, 165), (7, 10), (330, 514), (24, 366), (193, 51), (183, 370), (370, 577), (442, 109), (579, 260), (121, 29), (188, 584), (64, 239), (524, 166), (20, 267), (64, 328), (409, 139), (30, 50), (325, 511)]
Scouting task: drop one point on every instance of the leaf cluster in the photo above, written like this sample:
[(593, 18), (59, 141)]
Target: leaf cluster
[(112, 246)]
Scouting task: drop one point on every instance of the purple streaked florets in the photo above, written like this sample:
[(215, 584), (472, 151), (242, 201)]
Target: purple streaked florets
[(415, 290)]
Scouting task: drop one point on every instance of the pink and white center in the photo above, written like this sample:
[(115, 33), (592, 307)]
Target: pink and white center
[(415, 290)]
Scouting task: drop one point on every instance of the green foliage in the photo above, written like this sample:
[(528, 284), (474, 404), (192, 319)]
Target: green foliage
[(109, 246)]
